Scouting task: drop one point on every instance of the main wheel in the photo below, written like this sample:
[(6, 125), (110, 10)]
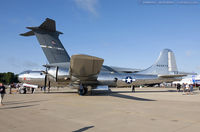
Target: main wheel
[(82, 91)]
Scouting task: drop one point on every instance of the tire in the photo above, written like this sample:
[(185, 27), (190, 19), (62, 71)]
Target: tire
[(22, 91), (82, 91)]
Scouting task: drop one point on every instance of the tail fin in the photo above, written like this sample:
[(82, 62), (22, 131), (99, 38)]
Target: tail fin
[(48, 38), (165, 64)]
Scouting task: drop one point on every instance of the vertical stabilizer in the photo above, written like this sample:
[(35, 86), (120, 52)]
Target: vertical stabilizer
[(48, 38), (165, 64), (172, 62)]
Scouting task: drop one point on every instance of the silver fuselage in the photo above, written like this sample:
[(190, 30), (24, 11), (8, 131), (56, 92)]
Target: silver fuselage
[(105, 77)]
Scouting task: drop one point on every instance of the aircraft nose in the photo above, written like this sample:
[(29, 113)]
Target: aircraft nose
[(20, 77)]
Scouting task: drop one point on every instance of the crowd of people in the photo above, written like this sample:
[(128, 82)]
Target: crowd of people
[(187, 88)]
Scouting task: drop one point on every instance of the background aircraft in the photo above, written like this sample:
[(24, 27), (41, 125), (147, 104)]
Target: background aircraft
[(195, 80), (88, 72)]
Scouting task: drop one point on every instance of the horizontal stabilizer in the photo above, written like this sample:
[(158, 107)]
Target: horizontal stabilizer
[(30, 33), (85, 67), (171, 76)]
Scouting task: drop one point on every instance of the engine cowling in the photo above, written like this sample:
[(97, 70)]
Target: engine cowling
[(58, 74)]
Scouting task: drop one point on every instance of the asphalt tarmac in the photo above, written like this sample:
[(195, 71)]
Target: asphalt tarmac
[(147, 110)]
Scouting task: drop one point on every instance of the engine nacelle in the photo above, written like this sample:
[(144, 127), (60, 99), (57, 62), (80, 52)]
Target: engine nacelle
[(58, 74)]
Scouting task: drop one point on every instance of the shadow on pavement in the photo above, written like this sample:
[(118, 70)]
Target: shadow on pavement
[(83, 129), (150, 91), (117, 94), (55, 92), (17, 107), (104, 93), (130, 97), (22, 102)]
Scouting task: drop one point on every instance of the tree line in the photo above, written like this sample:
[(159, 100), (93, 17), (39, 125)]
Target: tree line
[(8, 78)]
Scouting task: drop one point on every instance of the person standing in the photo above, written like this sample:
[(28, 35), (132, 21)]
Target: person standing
[(183, 86), (178, 87), (191, 88), (2, 93), (187, 88), (32, 90)]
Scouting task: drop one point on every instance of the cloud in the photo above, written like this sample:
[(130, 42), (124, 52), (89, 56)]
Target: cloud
[(88, 5)]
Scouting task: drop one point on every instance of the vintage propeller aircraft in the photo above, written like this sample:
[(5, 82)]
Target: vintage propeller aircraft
[(86, 72)]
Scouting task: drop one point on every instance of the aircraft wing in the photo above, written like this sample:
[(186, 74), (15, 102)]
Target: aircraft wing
[(86, 68), (119, 69), (172, 76), (125, 70)]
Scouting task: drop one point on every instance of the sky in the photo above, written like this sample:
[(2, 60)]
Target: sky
[(125, 33)]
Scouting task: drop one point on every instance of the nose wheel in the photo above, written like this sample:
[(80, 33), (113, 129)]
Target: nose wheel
[(22, 90)]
